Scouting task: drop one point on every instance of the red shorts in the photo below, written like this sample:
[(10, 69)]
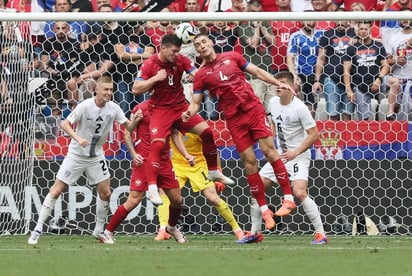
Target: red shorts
[(163, 119), (248, 127), (165, 180)]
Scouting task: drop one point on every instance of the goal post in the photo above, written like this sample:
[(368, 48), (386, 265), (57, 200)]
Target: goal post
[(358, 166)]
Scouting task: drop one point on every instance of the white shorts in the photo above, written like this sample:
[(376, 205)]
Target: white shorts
[(73, 167), (297, 168)]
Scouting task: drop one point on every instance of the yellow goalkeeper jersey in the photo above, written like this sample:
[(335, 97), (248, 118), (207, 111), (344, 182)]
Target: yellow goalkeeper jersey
[(193, 145)]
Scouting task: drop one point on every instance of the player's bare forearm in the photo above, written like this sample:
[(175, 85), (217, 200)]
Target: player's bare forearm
[(129, 143), (193, 107), (66, 126), (311, 138), (135, 119)]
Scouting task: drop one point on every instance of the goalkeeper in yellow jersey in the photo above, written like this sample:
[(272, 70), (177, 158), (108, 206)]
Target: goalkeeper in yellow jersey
[(190, 165)]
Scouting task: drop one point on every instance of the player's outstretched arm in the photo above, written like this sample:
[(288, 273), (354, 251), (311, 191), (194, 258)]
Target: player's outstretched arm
[(265, 76), (135, 119), (193, 107)]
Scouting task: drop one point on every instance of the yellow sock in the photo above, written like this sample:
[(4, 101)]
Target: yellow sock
[(227, 214), (163, 210)]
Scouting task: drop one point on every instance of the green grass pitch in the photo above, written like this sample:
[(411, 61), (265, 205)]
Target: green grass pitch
[(206, 255)]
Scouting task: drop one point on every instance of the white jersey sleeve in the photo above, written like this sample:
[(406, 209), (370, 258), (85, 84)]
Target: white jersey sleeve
[(291, 122), (94, 124)]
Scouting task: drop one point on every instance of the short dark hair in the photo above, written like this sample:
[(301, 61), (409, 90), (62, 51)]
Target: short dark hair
[(285, 75), (171, 39)]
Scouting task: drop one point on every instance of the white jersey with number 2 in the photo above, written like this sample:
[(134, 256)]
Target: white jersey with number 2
[(94, 124)]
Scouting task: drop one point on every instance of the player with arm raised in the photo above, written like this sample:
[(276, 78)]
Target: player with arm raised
[(223, 75), (94, 118), (138, 144), (296, 132), (161, 74), (190, 166)]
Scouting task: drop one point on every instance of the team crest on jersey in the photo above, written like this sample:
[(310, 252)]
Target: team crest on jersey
[(174, 68), (226, 62), (138, 182), (154, 130)]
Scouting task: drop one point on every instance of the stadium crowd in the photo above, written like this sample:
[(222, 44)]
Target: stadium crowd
[(72, 55)]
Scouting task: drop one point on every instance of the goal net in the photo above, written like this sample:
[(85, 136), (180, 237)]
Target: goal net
[(359, 166)]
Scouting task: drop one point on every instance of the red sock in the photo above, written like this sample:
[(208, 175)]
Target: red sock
[(282, 176), (256, 188), (209, 148), (174, 215), (120, 214), (153, 161)]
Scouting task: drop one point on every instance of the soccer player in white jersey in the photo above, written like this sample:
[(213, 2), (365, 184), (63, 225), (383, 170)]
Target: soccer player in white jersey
[(296, 132), (94, 118)]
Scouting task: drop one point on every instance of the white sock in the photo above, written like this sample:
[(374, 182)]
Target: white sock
[(102, 209), (255, 216), (312, 211), (152, 188), (45, 212)]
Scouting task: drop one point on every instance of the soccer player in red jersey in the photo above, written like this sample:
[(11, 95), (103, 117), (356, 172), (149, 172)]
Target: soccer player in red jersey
[(138, 143), (223, 75), (161, 74)]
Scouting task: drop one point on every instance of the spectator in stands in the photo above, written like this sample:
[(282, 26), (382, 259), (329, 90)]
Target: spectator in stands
[(60, 58), (81, 6), (97, 3), (129, 6), (322, 6), (219, 5), (78, 29), (302, 58), (389, 27), (112, 30), (224, 36), (157, 29), (329, 69), (370, 5), (282, 31), (192, 6), (132, 49), (16, 104), (400, 58), (375, 29), (365, 67), (97, 58), (257, 40)]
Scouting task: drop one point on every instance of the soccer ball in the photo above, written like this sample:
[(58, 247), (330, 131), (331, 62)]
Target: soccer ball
[(186, 32)]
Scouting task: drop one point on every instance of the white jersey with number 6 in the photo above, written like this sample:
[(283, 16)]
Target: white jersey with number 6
[(291, 122)]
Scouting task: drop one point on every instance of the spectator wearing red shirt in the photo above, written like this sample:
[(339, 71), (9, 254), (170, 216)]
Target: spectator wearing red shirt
[(322, 6), (370, 5), (282, 31)]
